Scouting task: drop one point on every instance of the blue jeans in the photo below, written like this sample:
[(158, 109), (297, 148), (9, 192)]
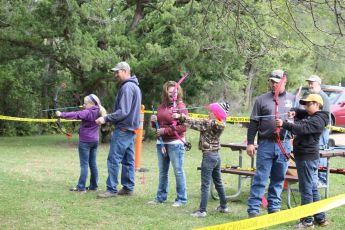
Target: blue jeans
[(323, 161), (87, 157), (121, 151), (175, 155), (210, 169), (270, 163), (307, 177)]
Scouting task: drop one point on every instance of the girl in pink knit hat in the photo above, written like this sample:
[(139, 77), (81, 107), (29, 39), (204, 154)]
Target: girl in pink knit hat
[(209, 143), (219, 110)]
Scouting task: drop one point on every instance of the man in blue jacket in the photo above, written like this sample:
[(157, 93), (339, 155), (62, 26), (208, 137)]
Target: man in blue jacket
[(126, 118)]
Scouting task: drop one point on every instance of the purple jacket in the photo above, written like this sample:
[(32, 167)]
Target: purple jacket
[(88, 131)]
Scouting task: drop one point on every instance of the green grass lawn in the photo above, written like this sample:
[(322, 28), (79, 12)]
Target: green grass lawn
[(36, 173)]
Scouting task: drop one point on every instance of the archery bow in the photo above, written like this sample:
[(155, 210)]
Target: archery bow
[(63, 108), (277, 129), (161, 142), (56, 106), (187, 145)]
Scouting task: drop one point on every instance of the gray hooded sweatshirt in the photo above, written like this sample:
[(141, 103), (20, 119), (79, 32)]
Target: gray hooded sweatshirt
[(126, 112)]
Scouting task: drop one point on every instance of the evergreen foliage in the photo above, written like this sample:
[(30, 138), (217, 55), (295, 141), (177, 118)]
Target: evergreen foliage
[(228, 46)]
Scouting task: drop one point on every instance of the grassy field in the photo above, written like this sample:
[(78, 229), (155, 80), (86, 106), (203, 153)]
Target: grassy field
[(36, 173)]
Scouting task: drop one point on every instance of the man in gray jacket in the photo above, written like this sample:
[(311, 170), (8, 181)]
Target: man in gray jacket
[(271, 162), (126, 118)]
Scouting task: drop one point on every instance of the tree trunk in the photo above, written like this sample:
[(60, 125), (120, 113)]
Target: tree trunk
[(250, 72), (139, 14)]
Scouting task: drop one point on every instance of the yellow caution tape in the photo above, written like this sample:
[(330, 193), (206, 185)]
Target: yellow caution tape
[(232, 119), (237, 119), (228, 119), (193, 115), (197, 115), (338, 129), (148, 111), (8, 118), (282, 216)]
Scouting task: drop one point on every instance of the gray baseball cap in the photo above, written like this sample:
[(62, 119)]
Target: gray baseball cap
[(276, 75), (314, 78), (121, 65)]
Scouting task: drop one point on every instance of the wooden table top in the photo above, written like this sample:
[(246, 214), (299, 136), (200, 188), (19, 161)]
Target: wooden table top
[(323, 153)]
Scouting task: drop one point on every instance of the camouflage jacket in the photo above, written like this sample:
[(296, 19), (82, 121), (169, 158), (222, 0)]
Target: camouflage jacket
[(210, 131)]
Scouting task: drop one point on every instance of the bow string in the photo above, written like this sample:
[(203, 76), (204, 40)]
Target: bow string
[(187, 145), (56, 106), (277, 129)]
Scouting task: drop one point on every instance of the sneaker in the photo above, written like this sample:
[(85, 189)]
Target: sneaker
[(321, 185), (322, 223), (177, 204), (304, 224), (77, 190), (154, 202), (106, 194), (91, 189), (198, 213), (274, 211), (124, 192), (222, 210), (252, 214)]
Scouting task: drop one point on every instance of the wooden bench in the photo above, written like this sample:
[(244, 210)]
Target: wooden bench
[(250, 173), (329, 153), (289, 179)]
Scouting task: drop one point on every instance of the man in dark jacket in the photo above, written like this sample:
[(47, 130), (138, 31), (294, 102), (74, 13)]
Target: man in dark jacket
[(307, 128), (125, 117), (271, 162)]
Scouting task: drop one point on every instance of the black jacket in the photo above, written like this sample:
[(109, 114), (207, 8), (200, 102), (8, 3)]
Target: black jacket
[(307, 130)]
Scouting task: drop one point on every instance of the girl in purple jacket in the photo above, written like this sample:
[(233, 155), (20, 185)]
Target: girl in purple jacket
[(88, 140)]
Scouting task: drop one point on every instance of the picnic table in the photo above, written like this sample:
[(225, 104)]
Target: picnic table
[(289, 179)]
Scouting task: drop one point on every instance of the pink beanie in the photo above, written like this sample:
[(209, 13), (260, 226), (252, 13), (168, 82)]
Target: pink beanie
[(220, 110)]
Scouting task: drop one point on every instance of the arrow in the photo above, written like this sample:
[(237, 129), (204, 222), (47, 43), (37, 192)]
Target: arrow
[(63, 108)]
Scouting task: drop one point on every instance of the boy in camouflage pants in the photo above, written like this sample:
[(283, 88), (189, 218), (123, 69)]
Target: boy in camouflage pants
[(209, 143)]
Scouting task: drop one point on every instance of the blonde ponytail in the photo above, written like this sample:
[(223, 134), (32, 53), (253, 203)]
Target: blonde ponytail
[(102, 110)]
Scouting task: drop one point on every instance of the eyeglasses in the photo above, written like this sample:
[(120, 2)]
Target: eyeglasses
[(276, 76)]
